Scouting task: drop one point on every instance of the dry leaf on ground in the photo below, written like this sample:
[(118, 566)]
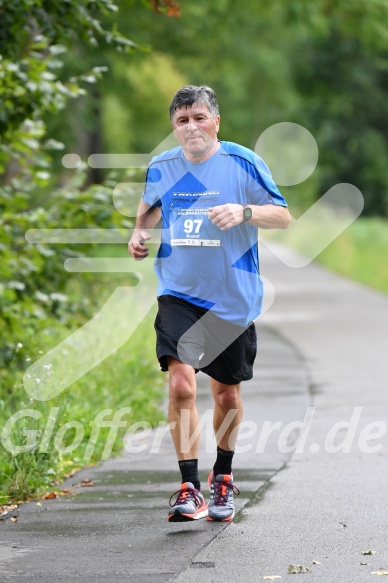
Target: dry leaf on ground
[(298, 569), (271, 577), (379, 572), (85, 482), (9, 511), (49, 496), (7, 508)]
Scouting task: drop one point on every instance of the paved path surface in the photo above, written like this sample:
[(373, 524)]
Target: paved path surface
[(323, 350)]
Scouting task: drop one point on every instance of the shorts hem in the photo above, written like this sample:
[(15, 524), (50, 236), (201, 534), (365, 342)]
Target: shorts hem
[(164, 368)]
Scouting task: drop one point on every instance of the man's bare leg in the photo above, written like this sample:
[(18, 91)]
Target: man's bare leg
[(183, 417), (182, 411), (227, 416)]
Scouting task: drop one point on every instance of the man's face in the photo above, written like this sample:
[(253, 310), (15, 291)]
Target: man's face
[(196, 131)]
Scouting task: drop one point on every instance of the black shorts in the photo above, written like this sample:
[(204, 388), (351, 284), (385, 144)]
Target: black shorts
[(197, 337)]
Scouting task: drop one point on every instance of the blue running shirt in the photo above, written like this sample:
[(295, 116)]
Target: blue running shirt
[(196, 261)]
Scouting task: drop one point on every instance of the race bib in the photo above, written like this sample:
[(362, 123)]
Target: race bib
[(191, 226)]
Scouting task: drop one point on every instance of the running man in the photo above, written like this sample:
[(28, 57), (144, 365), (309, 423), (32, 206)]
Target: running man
[(212, 197)]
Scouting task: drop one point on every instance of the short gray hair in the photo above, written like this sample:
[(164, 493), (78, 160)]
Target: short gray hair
[(190, 94)]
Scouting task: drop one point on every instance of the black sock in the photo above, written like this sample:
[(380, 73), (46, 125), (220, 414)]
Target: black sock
[(223, 463), (189, 472)]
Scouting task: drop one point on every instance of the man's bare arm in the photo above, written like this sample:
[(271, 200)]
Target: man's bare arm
[(147, 217), (266, 216), (270, 216)]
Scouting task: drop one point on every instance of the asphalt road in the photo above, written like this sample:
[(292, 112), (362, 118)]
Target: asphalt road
[(322, 365)]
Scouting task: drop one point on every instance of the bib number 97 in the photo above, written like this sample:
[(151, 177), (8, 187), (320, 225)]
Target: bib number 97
[(192, 225)]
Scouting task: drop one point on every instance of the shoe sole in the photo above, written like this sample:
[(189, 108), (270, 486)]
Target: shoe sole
[(228, 519), (180, 517)]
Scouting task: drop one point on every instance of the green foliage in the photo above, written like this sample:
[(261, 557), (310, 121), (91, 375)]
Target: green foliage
[(40, 304), (313, 62), (343, 78), (34, 281), (31, 37), (316, 63), (358, 253), (129, 378), (138, 126), (57, 21)]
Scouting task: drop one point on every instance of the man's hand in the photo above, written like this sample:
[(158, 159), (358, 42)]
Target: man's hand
[(226, 216), (136, 246)]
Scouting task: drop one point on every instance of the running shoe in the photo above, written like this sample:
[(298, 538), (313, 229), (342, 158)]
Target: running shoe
[(189, 504), (221, 505)]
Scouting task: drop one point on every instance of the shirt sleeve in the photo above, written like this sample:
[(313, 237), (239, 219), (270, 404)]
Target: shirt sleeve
[(265, 180), (151, 194), (259, 182)]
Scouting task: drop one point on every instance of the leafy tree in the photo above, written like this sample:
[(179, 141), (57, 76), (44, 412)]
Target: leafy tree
[(318, 63), (31, 34), (34, 40), (343, 77), (39, 303)]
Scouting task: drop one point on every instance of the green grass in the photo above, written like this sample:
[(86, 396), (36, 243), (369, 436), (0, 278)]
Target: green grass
[(359, 253), (128, 378)]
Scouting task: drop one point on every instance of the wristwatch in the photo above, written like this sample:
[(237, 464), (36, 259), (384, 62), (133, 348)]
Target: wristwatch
[(247, 213)]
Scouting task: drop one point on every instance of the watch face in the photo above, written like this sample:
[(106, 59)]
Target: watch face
[(247, 213)]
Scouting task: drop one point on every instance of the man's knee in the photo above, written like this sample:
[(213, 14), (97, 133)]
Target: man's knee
[(182, 381), (227, 397)]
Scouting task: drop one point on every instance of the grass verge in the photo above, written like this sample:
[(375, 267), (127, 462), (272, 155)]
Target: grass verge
[(42, 441), (359, 253)]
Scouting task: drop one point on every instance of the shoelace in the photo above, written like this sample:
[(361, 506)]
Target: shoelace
[(221, 492), (182, 496)]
